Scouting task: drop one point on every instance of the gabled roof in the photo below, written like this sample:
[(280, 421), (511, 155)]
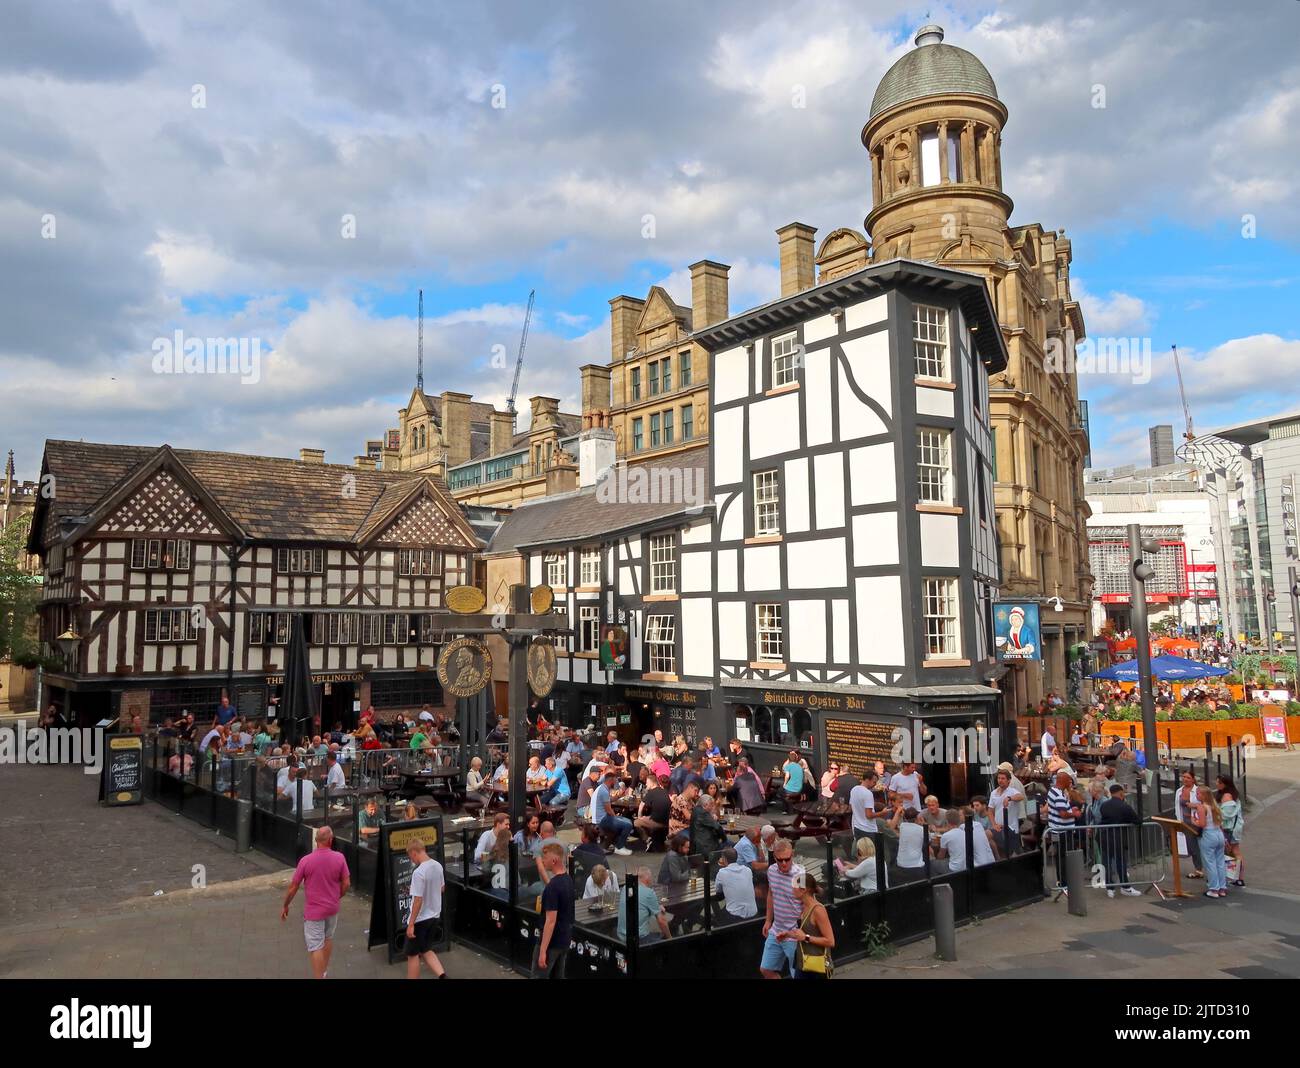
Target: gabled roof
[(266, 498), (585, 516)]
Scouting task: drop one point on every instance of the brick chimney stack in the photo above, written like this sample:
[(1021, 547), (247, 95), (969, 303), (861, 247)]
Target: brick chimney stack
[(796, 243)]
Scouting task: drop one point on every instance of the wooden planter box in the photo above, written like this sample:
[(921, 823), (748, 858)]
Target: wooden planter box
[(1190, 733)]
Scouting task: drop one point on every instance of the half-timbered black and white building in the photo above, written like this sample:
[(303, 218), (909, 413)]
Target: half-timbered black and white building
[(180, 571), (837, 579)]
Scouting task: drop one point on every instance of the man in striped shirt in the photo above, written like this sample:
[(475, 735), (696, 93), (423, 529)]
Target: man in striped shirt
[(1061, 816), (782, 912)]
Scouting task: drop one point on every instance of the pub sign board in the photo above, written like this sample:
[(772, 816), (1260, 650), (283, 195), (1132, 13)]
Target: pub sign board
[(390, 904), (122, 779), (1016, 631)]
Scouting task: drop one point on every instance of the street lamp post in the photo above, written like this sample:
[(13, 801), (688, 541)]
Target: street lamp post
[(1139, 572)]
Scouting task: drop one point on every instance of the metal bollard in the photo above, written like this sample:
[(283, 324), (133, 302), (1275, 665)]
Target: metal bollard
[(1076, 878), (243, 825), (945, 928)]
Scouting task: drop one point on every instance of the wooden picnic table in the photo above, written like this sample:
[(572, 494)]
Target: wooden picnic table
[(817, 819)]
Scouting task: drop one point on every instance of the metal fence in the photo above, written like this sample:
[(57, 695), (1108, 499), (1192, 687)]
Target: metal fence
[(1116, 855)]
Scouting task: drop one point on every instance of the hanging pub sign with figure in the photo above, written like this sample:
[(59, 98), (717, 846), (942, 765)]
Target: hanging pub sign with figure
[(1016, 631)]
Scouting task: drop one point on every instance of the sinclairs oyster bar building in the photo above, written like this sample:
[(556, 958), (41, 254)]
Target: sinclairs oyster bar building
[(837, 580), (178, 572)]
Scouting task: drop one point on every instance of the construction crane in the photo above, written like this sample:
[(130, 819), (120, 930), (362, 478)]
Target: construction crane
[(1189, 434), (419, 365), (519, 363)]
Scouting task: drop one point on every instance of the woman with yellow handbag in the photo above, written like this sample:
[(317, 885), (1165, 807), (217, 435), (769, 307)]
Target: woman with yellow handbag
[(816, 937)]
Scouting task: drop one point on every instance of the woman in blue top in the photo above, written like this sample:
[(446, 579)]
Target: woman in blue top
[(793, 785)]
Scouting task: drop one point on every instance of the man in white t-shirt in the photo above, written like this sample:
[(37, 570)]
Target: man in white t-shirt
[(296, 781), (488, 838), (1006, 801), (952, 843), (426, 908), (907, 786), (863, 803), (1048, 742), (736, 884), (334, 778)]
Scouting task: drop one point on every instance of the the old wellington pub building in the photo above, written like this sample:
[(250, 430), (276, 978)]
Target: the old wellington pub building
[(180, 570), (799, 517)]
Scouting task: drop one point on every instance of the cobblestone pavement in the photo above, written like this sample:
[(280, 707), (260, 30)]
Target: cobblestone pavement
[(1255, 933), (78, 886)]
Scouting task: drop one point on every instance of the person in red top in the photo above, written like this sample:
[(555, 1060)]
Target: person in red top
[(325, 874)]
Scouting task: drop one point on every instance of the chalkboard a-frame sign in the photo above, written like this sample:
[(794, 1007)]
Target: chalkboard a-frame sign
[(391, 902), (121, 782)]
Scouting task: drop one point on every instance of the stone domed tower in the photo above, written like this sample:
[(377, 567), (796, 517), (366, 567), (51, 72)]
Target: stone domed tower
[(934, 136)]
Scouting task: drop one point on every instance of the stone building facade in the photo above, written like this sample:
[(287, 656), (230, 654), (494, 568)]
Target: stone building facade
[(934, 136)]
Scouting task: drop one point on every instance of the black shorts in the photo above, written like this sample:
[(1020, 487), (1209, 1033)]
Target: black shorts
[(426, 934)]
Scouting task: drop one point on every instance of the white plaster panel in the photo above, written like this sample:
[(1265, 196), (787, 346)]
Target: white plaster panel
[(857, 420), (727, 581), (872, 368), (840, 631), (697, 572), (806, 628), (816, 390), (818, 329), (828, 476), (697, 636), (816, 565), (795, 492), (880, 619), (730, 375), (866, 312), (774, 425), (733, 639), (934, 401), (728, 446), (871, 474), (733, 517), (939, 541), (763, 567), (875, 539)]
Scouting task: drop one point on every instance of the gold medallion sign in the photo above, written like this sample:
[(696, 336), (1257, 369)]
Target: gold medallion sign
[(542, 667), (465, 600), (543, 597), (465, 667)]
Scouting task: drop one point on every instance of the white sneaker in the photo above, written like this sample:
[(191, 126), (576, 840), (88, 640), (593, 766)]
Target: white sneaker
[(1110, 893), (623, 852), (1131, 891)]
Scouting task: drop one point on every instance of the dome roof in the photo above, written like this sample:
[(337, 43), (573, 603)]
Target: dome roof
[(932, 68)]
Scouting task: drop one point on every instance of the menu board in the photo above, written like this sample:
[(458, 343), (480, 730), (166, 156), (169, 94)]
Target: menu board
[(856, 745), (123, 770), (674, 720), (390, 905)]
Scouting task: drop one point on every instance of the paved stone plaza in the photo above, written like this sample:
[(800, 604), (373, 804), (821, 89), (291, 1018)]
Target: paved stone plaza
[(78, 898)]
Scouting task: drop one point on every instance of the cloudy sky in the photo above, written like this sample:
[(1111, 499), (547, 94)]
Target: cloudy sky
[(293, 173)]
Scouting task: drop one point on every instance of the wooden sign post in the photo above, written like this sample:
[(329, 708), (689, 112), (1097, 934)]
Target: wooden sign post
[(529, 616)]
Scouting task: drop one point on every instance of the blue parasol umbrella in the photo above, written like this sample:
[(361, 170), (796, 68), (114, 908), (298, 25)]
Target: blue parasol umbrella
[(1174, 668)]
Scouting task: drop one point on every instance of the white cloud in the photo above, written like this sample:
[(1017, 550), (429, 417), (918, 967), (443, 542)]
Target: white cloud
[(1115, 315)]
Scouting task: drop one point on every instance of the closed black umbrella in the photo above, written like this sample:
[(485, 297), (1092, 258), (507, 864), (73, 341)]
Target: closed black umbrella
[(298, 703)]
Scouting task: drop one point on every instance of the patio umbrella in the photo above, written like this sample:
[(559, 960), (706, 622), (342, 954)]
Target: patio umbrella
[(298, 703), (1163, 667)]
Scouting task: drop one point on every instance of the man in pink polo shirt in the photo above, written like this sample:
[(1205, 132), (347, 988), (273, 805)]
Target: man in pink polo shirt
[(326, 874)]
